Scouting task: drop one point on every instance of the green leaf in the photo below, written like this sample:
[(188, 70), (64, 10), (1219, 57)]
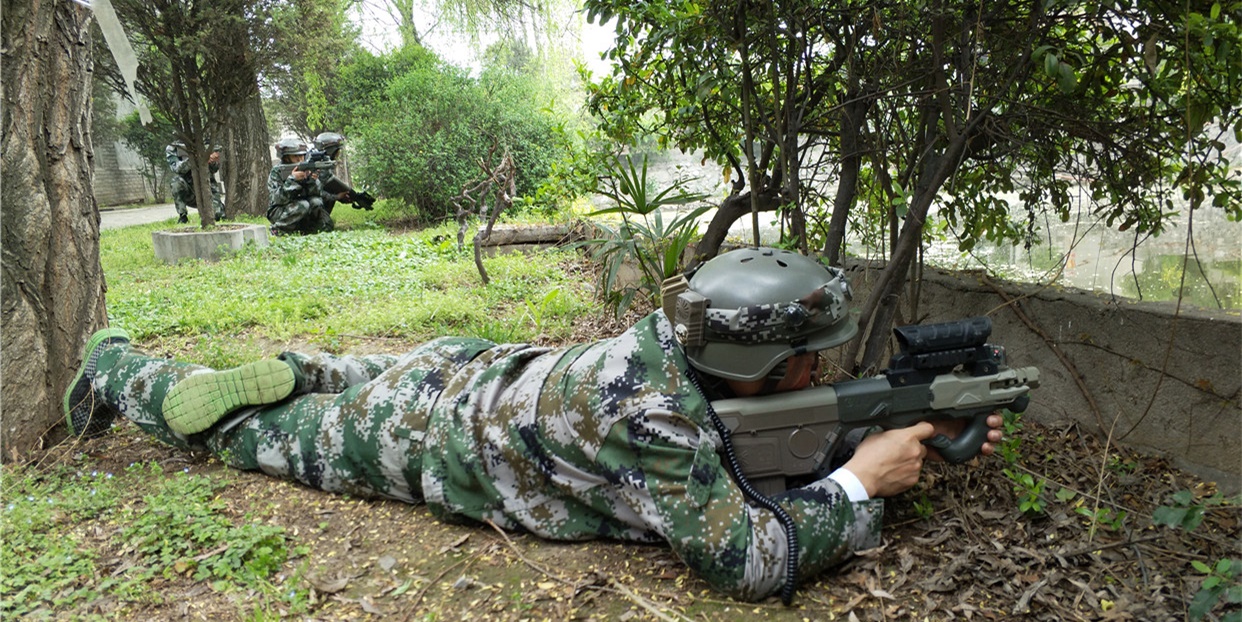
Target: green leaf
[(1171, 517), (1202, 603), (1067, 80), (1201, 567)]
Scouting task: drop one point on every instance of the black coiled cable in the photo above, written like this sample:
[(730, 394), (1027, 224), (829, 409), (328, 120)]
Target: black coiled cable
[(735, 469)]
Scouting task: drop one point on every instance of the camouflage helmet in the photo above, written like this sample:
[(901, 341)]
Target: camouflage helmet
[(329, 143), (288, 147), (744, 312)]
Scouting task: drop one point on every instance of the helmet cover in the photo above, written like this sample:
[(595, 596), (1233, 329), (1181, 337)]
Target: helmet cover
[(329, 143), (745, 311), (288, 147)]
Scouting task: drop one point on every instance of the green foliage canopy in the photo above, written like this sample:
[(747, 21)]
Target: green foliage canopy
[(903, 105)]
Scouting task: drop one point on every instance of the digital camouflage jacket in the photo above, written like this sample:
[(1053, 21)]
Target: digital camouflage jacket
[(609, 439)]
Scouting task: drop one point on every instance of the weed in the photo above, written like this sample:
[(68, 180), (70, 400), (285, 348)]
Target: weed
[(1223, 579), (643, 241), (1112, 520), (1030, 491), (1012, 428), (923, 507)]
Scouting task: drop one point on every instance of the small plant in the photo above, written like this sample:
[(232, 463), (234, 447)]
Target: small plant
[(1184, 513), (1223, 579), (536, 312), (1011, 427), (643, 240), (1112, 520), (923, 507), (1030, 491)]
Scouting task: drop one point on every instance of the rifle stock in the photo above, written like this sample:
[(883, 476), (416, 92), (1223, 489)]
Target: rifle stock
[(797, 434)]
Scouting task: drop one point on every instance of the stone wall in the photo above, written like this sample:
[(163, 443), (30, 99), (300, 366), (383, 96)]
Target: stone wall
[(1162, 381), (117, 182)]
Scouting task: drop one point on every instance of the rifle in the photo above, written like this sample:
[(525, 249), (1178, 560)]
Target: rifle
[(315, 161), (942, 371), (360, 200)]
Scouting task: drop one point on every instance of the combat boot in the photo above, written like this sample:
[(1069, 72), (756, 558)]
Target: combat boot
[(199, 401), (85, 415)]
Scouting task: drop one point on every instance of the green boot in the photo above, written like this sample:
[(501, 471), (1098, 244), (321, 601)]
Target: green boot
[(84, 415), (199, 401)]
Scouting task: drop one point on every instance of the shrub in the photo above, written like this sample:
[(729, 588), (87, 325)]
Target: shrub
[(421, 139)]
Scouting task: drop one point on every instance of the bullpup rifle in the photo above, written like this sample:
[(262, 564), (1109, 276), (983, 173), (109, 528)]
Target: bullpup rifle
[(941, 371)]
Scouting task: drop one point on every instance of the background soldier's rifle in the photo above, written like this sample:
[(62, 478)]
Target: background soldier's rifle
[(316, 161)]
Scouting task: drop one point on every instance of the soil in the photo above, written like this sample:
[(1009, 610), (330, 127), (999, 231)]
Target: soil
[(955, 547)]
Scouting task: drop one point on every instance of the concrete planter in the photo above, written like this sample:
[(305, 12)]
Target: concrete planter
[(173, 245)]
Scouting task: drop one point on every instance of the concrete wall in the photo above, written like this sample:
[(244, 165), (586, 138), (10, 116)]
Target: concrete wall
[(1170, 383)]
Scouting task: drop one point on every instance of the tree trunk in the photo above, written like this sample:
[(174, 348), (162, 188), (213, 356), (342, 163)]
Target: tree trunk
[(733, 207), (202, 186), (853, 118), (247, 158), (52, 283)]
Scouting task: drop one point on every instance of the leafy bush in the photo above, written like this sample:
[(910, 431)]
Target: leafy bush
[(421, 135)]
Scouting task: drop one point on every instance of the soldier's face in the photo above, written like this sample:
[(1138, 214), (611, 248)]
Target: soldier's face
[(800, 371), (295, 158)]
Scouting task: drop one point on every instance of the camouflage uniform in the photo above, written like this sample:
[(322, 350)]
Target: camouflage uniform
[(182, 184), (609, 439), (297, 206)]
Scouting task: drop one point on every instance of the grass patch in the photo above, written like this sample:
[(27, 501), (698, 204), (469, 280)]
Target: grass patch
[(65, 529), (326, 288)]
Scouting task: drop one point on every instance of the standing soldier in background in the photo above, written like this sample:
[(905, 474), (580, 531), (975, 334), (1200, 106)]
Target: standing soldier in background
[(182, 183)]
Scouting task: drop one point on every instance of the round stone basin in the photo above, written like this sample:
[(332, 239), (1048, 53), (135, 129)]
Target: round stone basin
[(173, 245)]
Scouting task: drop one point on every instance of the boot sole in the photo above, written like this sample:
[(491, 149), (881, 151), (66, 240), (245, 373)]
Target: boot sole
[(79, 398), (199, 401)]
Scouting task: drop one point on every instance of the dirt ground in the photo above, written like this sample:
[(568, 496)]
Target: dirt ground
[(976, 556)]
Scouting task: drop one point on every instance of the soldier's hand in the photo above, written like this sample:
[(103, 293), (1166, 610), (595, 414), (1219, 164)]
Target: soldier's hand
[(952, 427), (299, 175), (214, 158), (890, 462), (344, 197)]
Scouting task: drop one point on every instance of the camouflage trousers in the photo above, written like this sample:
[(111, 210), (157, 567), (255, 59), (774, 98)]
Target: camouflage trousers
[(343, 408), (304, 216), (183, 196)]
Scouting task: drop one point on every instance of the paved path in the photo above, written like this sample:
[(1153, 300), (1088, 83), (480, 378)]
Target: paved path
[(116, 218)]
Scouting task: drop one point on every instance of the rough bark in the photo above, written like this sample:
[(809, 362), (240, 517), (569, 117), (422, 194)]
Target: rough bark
[(52, 285), (247, 158)]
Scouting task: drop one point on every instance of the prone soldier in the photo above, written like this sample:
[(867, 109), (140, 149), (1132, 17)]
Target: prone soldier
[(616, 438)]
